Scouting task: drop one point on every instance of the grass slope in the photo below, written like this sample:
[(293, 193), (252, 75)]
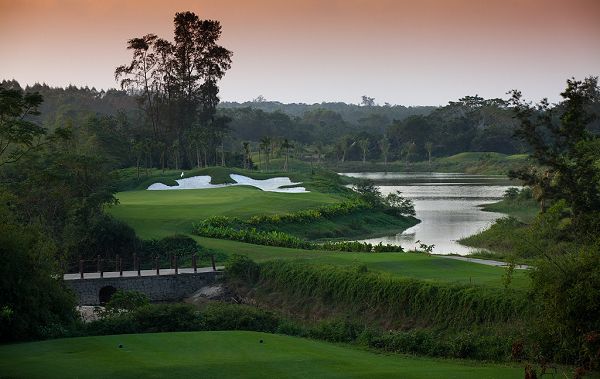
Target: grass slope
[(222, 355), (467, 162), (155, 214), (411, 265), (523, 210), (363, 224)]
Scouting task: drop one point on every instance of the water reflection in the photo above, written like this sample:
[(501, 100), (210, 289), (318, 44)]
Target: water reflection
[(445, 203)]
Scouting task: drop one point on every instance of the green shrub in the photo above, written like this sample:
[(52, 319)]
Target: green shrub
[(122, 323), (166, 318), (568, 288), (280, 239), (34, 300), (240, 267), (335, 331), (126, 301), (222, 316)]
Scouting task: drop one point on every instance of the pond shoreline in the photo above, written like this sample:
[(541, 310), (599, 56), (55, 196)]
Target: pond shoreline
[(448, 205)]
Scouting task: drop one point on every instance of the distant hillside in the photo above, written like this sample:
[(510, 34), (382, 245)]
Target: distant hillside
[(351, 113)]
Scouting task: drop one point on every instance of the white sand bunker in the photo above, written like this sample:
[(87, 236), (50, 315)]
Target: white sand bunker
[(202, 182), (269, 185), (194, 182)]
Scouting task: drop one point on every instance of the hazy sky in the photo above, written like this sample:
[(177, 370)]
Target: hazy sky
[(417, 52)]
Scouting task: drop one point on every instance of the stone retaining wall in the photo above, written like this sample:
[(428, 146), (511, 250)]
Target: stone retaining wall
[(157, 288)]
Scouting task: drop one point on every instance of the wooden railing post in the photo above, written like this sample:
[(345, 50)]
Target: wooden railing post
[(156, 264), (176, 267), (137, 261), (100, 266), (194, 263), (120, 266), (80, 267), (212, 260)]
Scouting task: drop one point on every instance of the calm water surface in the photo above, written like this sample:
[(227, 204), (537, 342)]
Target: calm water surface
[(446, 204)]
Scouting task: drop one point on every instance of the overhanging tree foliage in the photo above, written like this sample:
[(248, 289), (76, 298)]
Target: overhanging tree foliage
[(18, 134), (563, 144)]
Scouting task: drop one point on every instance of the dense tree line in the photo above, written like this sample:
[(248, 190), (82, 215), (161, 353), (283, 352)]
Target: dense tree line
[(229, 135)]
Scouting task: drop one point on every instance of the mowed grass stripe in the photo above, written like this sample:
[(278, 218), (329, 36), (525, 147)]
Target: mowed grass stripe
[(223, 355)]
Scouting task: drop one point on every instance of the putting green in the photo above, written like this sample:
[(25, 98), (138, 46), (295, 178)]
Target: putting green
[(155, 214), (223, 355)]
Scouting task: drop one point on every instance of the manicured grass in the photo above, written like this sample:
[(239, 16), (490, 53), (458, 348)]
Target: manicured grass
[(155, 214), (412, 265), (223, 355)]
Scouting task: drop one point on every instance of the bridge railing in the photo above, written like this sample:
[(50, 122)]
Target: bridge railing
[(135, 263)]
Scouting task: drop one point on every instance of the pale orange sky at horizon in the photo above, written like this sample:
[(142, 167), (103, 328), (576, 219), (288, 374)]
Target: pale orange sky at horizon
[(425, 52)]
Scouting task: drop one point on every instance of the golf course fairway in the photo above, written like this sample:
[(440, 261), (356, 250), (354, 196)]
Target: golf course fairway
[(223, 355)]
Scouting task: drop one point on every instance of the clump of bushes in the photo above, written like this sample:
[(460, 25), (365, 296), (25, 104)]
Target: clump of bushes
[(281, 239), (258, 237), (393, 203), (514, 193), (124, 301), (259, 229), (242, 268), (300, 217)]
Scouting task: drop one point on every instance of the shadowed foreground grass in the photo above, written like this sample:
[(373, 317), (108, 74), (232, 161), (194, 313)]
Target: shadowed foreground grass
[(222, 355)]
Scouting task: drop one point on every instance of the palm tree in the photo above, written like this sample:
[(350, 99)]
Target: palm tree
[(429, 148), (265, 144), (175, 150), (246, 146), (364, 146), (344, 144), (287, 146), (408, 150), (384, 145), (319, 151)]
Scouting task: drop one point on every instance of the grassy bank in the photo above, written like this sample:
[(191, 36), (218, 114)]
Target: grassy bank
[(358, 225), (507, 238), (387, 313), (395, 302), (468, 162), (523, 210), (408, 265), (223, 355)]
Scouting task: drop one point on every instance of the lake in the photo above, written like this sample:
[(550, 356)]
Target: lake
[(446, 204)]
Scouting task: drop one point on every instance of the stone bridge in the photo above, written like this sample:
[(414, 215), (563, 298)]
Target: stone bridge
[(170, 285)]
